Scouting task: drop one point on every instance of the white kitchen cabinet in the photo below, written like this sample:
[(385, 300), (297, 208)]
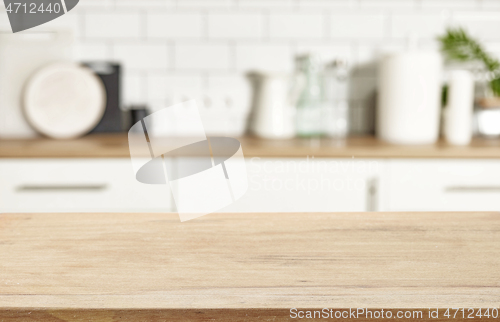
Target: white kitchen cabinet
[(310, 185), (443, 185), (275, 185), (77, 185)]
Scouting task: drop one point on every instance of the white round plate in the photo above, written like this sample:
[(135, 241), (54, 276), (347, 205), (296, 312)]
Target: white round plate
[(64, 100)]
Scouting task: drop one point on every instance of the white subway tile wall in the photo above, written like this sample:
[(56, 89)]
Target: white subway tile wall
[(173, 50), (202, 56), (235, 25), (174, 25), (300, 25), (142, 56), (113, 25), (263, 56)]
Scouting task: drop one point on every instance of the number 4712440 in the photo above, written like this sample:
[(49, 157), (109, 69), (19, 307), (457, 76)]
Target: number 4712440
[(462, 313), (18, 7)]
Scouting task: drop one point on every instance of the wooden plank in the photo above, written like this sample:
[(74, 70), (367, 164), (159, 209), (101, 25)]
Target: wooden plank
[(232, 315), (255, 262), (116, 145)]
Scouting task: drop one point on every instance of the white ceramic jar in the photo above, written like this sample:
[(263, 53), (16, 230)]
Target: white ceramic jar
[(459, 109), (409, 98)]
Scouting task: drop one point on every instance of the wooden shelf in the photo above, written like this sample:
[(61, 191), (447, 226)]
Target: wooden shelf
[(116, 146)]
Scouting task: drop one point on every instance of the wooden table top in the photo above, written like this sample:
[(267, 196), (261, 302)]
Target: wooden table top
[(116, 146), (251, 262)]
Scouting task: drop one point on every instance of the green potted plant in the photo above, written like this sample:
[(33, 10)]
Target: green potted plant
[(457, 45)]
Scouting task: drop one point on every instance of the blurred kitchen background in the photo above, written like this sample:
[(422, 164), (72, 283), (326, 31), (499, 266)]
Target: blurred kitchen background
[(261, 67), (173, 50)]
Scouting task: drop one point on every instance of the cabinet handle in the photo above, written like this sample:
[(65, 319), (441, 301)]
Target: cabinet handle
[(464, 189), (60, 187), (372, 195)]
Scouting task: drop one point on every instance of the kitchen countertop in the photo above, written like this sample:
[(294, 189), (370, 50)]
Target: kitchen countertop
[(116, 146), (239, 266)]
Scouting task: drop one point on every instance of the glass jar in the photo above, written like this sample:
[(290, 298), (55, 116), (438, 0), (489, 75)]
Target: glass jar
[(335, 119), (309, 103)]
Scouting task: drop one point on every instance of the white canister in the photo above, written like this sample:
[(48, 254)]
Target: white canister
[(409, 98), (459, 108)]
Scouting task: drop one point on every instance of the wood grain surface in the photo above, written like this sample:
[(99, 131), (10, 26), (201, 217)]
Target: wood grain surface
[(116, 145), (234, 315), (62, 267)]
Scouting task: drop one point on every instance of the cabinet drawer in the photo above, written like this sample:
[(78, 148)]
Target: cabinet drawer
[(444, 185), (77, 185), (309, 185)]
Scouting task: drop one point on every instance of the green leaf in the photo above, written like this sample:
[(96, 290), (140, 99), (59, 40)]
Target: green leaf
[(457, 45), (495, 86)]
